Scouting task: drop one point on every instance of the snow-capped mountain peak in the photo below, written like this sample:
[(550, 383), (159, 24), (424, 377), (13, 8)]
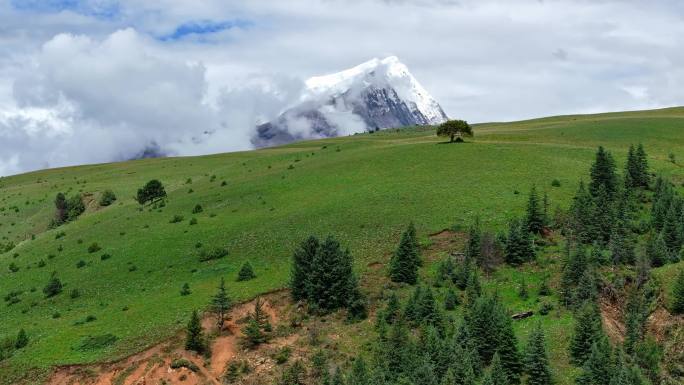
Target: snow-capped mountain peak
[(380, 73), (377, 94)]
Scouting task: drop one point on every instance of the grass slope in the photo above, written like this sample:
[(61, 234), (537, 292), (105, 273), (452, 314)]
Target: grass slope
[(364, 189)]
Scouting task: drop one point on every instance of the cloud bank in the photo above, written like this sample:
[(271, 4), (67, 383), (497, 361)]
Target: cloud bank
[(102, 80)]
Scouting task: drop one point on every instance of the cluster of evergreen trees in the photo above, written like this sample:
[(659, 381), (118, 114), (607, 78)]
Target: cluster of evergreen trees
[(420, 344), (667, 221), (323, 275)]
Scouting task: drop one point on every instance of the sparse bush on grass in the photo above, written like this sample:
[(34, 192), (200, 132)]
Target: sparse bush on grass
[(53, 287), (94, 247), (107, 198), (224, 183), (74, 294), (197, 209), (193, 221), (80, 264), (105, 257), (152, 191), (97, 342), (282, 355), (216, 253), (13, 267), (185, 290), (41, 263), (176, 218), (60, 234), (545, 308), (555, 183), (183, 363)]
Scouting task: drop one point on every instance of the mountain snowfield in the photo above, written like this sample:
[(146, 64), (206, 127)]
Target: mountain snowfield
[(377, 94)]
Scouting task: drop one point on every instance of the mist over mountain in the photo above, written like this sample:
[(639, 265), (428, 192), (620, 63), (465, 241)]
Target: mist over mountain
[(374, 95)]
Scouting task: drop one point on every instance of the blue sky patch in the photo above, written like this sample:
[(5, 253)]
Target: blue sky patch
[(100, 9), (204, 27)]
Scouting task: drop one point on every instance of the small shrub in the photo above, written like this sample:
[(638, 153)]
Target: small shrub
[(555, 183), (282, 355), (183, 363), (53, 287), (13, 267), (132, 268), (107, 198), (224, 183), (105, 257), (246, 273), (56, 315), (41, 263), (545, 308), (185, 290), (197, 209), (94, 247), (193, 221), (74, 294), (60, 234), (80, 264), (216, 253), (176, 219)]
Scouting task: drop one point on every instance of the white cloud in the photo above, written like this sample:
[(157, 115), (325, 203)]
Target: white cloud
[(80, 86)]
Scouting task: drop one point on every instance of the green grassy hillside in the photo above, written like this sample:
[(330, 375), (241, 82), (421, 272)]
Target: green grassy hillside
[(364, 189)]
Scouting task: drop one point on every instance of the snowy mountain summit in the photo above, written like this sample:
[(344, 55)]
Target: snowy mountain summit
[(374, 95)]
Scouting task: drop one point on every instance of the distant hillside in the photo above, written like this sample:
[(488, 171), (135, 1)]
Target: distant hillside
[(259, 204)]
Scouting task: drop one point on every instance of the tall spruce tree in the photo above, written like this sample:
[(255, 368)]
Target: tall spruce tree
[(194, 334), (603, 174), (656, 250), (582, 211), (534, 220), (220, 304), (587, 330), (331, 282), (404, 262), (496, 375), (519, 247), (536, 359), (301, 267), (671, 227), (678, 294), (603, 216), (597, 368), (507, 347), (643, 178)]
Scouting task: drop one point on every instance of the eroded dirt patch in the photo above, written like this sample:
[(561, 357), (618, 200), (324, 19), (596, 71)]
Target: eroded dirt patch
[(153, 366)]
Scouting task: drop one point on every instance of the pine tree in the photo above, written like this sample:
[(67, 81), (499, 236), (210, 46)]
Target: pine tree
[(582, 210), (603, 216), (603, 174), (22, 339), (185, 290), (403, 265), (473, 288), (427, 309), (220, 304), (194, 334), (587, 330), (496, 374), (463, 272), (632, 169), (331, 283), (662, 200), (536, 360), (473, 248), (359, 373), (597, 368), (246, 272), (412, 309), (411, 231), (301, 267), (534, 221), (396, 351), (586, 288), (519, 247), (425, 373), (573, 270), (450, 299), (678, 294), (449, 378), (670, 231), (53, 287), (626, 373), (507, 347), (635, 319), (656, 250), (642, 178), (393, 309)]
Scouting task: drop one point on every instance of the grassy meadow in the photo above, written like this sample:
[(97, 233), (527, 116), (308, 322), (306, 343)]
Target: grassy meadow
[(363, 189)]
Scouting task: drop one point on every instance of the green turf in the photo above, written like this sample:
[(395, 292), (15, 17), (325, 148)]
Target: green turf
[(364, 189)]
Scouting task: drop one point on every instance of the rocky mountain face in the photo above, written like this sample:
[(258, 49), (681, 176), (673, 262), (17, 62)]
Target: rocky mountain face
[(372, 96)]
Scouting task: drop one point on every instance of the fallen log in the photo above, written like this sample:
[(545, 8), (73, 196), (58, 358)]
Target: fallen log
[(522, 315)]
